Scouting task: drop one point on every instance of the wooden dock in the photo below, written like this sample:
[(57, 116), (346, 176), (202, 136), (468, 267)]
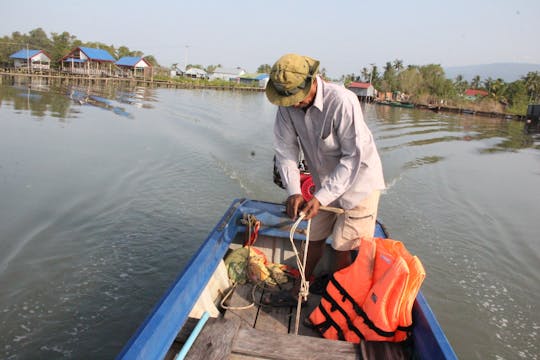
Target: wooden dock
[(57, 77), (262, 332)]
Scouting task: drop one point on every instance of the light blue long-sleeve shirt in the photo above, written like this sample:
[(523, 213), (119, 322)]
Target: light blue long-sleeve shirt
[(338, 147)]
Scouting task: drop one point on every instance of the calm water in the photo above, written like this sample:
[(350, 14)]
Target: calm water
[(105, 193)]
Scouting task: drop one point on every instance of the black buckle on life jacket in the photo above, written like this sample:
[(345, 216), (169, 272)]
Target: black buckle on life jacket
[(359, 311), (330, 322), (336, 306)]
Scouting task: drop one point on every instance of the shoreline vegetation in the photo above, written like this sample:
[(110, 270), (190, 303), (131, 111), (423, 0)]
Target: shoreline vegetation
[(425, 86), (189, 83)]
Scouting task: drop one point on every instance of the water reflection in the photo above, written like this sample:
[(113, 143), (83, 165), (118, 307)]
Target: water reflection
[(417, 128), (422, 161), (43, 97)]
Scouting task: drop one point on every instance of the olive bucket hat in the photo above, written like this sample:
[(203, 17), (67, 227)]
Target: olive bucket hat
[(290, 79)]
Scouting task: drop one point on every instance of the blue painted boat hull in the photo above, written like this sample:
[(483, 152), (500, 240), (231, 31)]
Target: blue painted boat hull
[(157, 333)]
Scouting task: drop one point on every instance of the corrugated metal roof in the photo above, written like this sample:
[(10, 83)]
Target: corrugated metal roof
[(24, 54), (195, 71), (229, 71), (97, 54), (360, 85), (254, 76), (129, 61), (476, 92)]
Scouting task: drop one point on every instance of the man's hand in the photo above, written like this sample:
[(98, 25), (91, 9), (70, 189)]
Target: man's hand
[(294, 202), (311, 208)]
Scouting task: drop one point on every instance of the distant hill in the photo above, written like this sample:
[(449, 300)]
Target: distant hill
[(509, 72)]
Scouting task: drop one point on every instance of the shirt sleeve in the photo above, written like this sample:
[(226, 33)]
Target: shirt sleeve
[(287, 152), (348, 118)]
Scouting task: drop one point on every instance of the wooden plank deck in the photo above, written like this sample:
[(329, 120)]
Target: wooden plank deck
[(262, 332)]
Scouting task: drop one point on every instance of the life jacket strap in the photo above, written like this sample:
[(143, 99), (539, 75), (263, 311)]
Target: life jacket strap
[(325, 325), (335, 306), (359, 311)]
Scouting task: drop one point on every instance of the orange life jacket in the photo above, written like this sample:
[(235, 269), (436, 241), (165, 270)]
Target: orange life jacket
[(371, 299)]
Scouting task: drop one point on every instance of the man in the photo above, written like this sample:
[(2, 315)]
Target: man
[(326, 119)]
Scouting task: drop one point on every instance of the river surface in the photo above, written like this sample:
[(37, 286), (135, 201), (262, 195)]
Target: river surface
[(105, 193)]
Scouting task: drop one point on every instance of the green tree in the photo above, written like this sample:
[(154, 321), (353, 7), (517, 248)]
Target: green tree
[(194, 66), (365, 74), (38, 39), (61, 45), (123, 51), (460, 84), (322, 72), (497, 90), (488, 83), (264, 69), (211, 68), (151, 59), (388, 82), (518, 98), (435, 82), (410, 80), (398, 65), (475, 83), (532, 84), (375, 77)]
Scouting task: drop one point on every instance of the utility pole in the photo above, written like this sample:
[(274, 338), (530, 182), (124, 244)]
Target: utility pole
[(186, 58), (27, 58), (371, 73)]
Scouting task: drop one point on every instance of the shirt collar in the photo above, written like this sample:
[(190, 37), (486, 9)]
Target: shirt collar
[(318, 103)]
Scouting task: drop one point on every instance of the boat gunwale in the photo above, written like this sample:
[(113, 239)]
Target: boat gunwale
[(156, 334)]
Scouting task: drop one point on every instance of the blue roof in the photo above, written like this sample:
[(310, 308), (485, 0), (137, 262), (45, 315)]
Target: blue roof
[(97, 54), (128, 61), (24, 54), (262, 76)]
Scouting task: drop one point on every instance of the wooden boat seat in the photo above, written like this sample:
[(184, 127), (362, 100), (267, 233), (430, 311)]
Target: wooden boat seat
[(262, 332)]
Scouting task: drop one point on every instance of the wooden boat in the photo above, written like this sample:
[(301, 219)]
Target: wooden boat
[(402, 104), (190, 320)]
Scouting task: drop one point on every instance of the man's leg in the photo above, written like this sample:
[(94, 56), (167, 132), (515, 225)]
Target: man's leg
[(315, 253), (342, 259), (351, 227)]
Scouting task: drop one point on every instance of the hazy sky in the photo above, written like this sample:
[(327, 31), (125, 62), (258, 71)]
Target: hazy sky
[(344, 35)]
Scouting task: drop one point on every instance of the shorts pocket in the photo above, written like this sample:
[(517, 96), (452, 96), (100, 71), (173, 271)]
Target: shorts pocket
[(356, 224)]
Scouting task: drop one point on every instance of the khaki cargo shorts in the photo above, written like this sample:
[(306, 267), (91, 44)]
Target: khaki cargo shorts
[(349, 228)]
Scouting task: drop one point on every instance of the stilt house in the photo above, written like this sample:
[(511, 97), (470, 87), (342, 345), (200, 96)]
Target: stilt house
[(88, 61), (31, 60), (136, 67), (364, 91)]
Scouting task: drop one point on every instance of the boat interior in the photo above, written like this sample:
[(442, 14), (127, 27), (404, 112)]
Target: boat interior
[(241, 327)]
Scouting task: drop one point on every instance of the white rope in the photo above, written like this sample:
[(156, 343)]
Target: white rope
[(301, 264), (304, 284), (226, 297)]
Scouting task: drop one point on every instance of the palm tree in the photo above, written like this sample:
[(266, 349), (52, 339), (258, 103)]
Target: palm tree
[(365, 73), (398, 65), (497, 88), (488, 84), (460, 84), (475, 83), (323, 73)]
